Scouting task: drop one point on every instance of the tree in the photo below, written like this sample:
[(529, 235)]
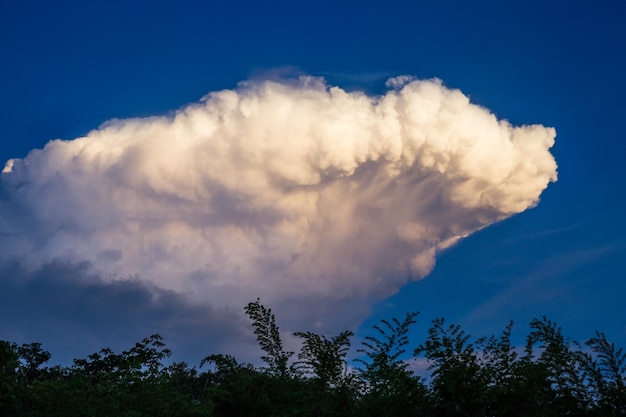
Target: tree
[(383, 351), (328, 386), (32, 356), (608, 375), (268, 336), (499, 362), (324, 358), (458, 381), (551, 376), (9, 387), (390, 387), (134, 382), (554, 382)]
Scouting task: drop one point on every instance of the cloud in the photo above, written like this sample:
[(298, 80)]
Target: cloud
[(286, 190), (75, 313)]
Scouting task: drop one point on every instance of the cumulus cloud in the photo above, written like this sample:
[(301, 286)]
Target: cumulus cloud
[(280, 189)]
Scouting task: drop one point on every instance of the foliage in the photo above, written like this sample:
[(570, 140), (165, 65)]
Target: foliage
[(458, 381), (501, 370), (390, 387), (549, 376), (608, 375), (383, 351), (324, 358), (557, 377), (268, 336), (9, 385), (32, 356)]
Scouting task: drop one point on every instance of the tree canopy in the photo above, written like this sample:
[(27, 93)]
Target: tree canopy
[(550, 375)]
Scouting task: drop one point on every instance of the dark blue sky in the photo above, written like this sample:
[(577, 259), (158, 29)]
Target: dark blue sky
[(68, 66)]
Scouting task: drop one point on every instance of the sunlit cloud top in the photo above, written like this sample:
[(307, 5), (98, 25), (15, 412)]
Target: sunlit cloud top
[(276, 189)]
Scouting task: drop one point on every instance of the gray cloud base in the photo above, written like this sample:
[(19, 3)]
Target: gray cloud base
[(75, 313)]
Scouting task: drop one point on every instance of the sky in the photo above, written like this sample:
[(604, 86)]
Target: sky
[(165, 163)]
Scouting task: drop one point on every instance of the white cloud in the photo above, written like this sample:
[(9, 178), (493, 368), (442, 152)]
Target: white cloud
[(281, 190)]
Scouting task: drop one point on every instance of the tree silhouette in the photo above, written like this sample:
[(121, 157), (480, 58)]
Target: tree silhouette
[(550, 376), (458, 381), (390, 387), (324, 358), (608, 375), (268, 336)]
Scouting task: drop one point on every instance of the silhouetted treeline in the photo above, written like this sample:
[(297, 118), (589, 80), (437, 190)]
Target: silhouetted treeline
[(549, 376)]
